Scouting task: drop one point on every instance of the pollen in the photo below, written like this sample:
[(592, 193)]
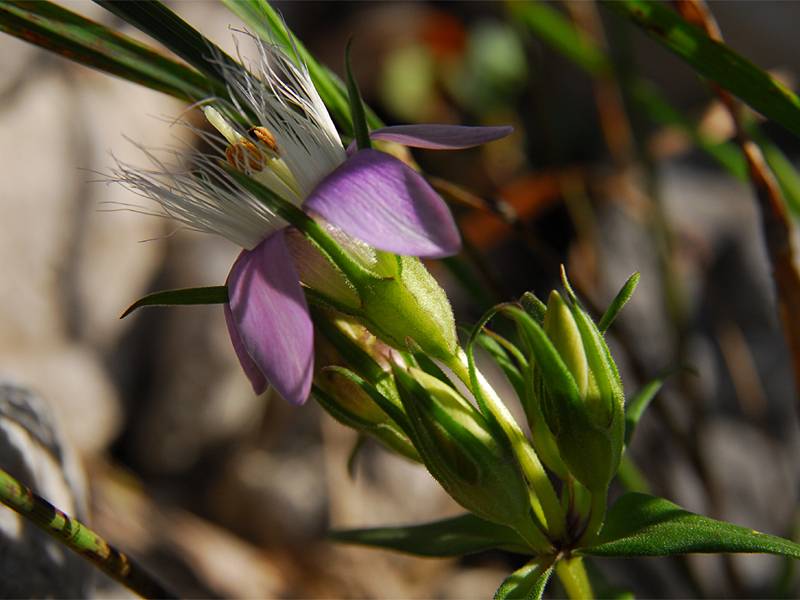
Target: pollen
[(244, 155)]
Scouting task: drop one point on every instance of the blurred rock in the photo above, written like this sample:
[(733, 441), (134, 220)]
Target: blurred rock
[(32, 564), (77, 386)]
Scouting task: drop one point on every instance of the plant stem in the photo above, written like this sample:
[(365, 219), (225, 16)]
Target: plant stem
[(545, 498), (572, 575), (78, 538)]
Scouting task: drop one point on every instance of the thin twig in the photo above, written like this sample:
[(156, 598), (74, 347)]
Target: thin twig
[(78, 538)]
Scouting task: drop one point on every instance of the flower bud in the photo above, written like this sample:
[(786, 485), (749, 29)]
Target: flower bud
[(410, 310), (458, 448), (581, 398), (344, 343)]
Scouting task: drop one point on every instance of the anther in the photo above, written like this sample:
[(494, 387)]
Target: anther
[(263, 135), (245, 156)]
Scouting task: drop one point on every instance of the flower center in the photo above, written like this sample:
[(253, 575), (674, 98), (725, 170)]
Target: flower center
[(257, 155)]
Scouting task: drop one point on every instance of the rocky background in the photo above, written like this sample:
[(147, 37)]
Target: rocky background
[(147, 428)]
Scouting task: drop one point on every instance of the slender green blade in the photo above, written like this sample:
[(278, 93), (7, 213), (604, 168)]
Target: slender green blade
[(643, 525), (217, 294), (526, 583), (714, 60), (94, 45), (270, 26), (457, 536), (163, 25), (360, 128), (618, 303), (638, 404)]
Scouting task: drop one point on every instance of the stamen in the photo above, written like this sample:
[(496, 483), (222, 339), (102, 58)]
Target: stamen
[(245, 156), (263, 135)]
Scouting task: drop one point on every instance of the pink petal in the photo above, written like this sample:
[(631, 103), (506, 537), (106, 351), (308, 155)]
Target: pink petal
[(378, 199), (441, 137), (270, 315)]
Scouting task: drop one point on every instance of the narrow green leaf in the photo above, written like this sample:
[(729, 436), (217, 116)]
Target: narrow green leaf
[(94, 45), (356, 104), (457, 536), (269, 26), (203, 295), (638, 404), (502, 359), (714, 60), (163, 25), (619, 301), (528, 582), (642, 525)]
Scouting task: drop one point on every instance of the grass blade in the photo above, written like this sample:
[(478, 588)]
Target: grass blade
[(94, 45)]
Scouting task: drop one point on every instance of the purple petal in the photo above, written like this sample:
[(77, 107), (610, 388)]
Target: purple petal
[(380, 200), (253, 373), (269, 313), (441, 137)]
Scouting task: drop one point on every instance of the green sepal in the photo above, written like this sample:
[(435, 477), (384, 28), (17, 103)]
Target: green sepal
[(527, 582), (360, 128), (618, 303), (457, 536), (385, 430), (643, 525), (534, 307), (388, 405), (455, 443), (217, 294), (410, 310)]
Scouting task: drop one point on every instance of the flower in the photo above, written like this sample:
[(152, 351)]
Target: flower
[(295, 151)]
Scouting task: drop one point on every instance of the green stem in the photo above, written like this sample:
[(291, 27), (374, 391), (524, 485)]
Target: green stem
[(572, 575), (78, 538), (544, 501)]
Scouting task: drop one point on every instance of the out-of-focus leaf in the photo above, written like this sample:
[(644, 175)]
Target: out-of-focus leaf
[(269, 25), (642, 525), (638, 404), (784, 171), (554, 29), (203, 295), (94, 45), (650, 100), (526, 583), (457, 536), (714, 60)]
